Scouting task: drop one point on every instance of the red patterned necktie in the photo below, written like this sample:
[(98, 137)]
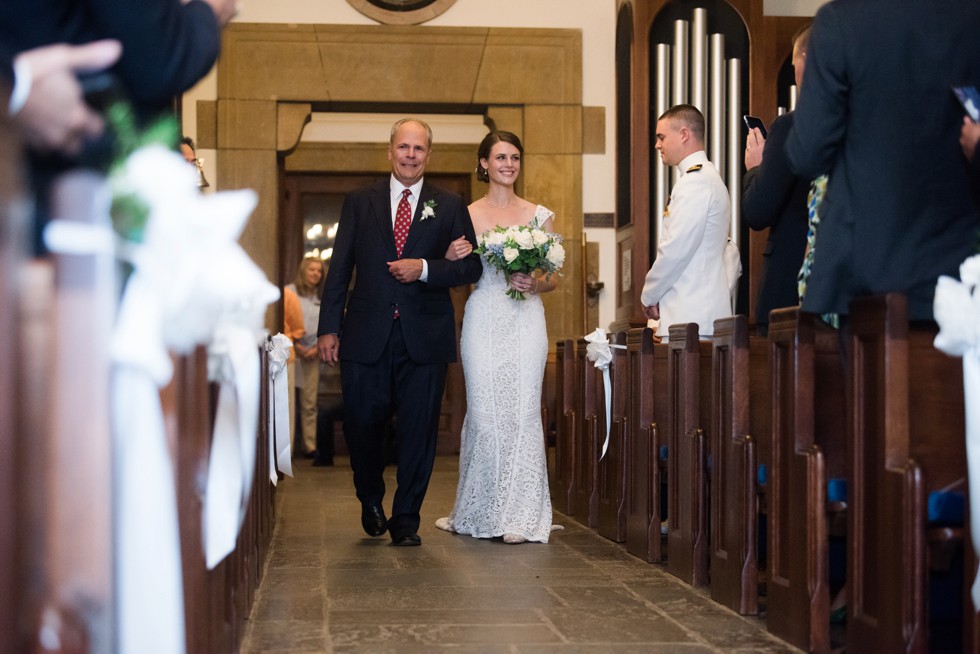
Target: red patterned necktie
[(403, 220)]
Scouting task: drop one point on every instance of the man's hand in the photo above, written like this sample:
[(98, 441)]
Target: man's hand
[(329, 346), (405, 270), (754, 145), (55, 116), (969, 136), (652, 312)]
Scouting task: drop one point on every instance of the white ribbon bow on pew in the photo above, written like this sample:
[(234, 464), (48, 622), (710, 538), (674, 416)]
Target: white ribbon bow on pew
[(190, 282), (237, 292), (598, 351), (278, 348), (957, 310)]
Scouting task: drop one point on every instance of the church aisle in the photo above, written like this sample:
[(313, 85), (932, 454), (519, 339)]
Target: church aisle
[(330, 588)]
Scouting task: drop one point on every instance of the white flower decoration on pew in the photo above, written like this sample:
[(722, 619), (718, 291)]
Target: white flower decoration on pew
[(599, 352), (957, 310), (191, 284)]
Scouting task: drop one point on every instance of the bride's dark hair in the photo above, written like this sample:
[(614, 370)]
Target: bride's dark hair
[(491, 139)]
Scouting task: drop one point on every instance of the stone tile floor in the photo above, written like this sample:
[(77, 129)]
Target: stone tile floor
[(329, 588)]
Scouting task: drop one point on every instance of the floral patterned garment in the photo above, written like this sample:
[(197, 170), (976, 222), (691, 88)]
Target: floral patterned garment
[(813, 199)]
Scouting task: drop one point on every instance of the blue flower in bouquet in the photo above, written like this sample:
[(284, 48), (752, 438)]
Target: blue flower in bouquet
[(522, 249)]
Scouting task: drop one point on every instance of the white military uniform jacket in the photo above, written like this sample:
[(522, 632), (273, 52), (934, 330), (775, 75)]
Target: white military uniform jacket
[(688, 277)]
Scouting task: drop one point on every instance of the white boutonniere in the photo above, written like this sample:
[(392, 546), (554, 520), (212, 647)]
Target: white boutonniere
[(428, 210)]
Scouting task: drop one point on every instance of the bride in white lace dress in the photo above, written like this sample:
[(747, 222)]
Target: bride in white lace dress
[(503, 476)]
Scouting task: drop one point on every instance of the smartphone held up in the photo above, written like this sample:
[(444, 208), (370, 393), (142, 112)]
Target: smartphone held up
[(753, 121)]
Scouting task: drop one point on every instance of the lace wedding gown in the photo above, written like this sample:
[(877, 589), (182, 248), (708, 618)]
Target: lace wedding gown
[(503, 476)]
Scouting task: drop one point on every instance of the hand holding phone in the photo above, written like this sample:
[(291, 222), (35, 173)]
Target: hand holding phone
[(753, 121)]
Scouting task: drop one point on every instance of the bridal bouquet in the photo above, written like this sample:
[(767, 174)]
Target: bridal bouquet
[(522, 249)]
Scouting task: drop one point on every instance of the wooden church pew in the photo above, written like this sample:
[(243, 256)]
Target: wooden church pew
[(14, 368), (688, 388), (186, 402), (807, 450), (612, 468), (908, 441), (217, 602), (585, 494), (563, 466), (739, 424), (646, 438), (79, 479)]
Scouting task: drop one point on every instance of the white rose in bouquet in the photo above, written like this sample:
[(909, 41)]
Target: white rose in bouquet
[(510, 254), (540, 237), (556, 255), (494, 239), (524, 240)]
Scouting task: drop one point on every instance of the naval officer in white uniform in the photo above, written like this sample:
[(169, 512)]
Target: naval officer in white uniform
[(688, 282)]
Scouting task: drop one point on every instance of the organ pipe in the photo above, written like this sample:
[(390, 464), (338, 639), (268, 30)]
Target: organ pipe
[(733, 176), (699, 58), (716, 104), (662, 101)]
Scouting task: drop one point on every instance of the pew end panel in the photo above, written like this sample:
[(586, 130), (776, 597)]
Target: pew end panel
[(908, 429), (560, 477), (687, 547), (585, 476), (612, 468), (643, 536), (733, 475), (798, 591)]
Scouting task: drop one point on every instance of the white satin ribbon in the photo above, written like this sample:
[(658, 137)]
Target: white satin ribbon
[(598, 351), (149, 574), (278, 348), (957, 310), (233, 362)]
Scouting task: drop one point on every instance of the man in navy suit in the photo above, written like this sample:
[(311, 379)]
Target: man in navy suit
[(396, 333), (878, 115), (773, 197)]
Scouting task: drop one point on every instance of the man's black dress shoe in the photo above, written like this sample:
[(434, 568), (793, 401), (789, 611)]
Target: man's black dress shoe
[(406, 540), (373, 520)]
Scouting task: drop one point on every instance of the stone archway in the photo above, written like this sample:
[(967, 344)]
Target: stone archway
[(528, 81)]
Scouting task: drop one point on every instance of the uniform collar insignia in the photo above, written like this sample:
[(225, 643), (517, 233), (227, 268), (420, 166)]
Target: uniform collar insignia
[(694, 168)]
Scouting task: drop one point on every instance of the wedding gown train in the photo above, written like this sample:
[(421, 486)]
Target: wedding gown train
[(503, 476)]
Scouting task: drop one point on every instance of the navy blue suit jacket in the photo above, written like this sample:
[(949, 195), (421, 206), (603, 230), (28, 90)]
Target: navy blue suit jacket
[(167, 45), (364, 245), (876, 112), (773, 197)]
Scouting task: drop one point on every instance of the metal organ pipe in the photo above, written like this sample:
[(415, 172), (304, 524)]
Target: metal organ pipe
[(716, 104), (699, 58), (662, 101), (733, 176)]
